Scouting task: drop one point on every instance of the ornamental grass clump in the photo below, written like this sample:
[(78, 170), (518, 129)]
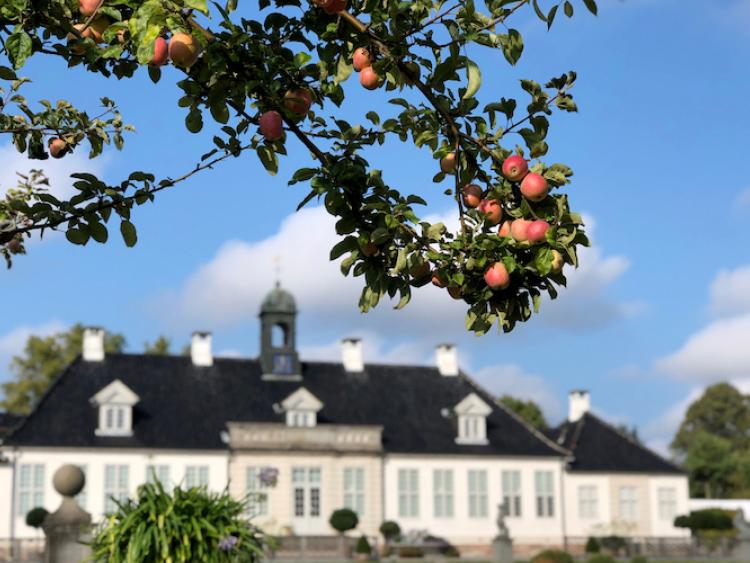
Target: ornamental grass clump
[(182, 526)]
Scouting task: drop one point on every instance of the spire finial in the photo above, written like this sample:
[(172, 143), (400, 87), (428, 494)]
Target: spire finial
[(277, 270)]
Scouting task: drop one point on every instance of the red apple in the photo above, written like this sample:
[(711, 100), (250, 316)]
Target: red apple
[(518, 230), (534, 187), (536, 230), (161, 52), (271, 125), (448, 163), (88, 7), (420, 270), (361, 59), (472, 195), (491, 210), (14, 245), (370, 249), (298, 101), (496, 276), (369, 78), (57, 147), (184, 50), (504, 230), (557, 262), (438, 279), (515, 168)]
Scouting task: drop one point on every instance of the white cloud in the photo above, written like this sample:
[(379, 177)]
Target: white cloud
[(730, 292), (228, 289), (58, 171), (659, 432), (743, 198), (511, 379), (13, 341)]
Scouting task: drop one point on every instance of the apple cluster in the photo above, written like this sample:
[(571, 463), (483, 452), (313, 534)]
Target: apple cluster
[(362, 63)]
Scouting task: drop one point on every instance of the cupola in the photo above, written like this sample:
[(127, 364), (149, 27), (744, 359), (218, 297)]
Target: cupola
[(278, 348)]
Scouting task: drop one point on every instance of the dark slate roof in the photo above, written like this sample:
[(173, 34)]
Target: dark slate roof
[(183, 406), (597, 446), (8, 421)]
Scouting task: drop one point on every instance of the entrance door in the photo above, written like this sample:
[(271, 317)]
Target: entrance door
[(306, 498)]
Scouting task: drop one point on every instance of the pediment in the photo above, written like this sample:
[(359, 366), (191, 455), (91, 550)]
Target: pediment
[(116, 393), (472, 404), (302, 400)]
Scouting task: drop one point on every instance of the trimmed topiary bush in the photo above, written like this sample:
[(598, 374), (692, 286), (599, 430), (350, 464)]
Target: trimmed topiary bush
[(592, 545), (363, 546), (35, 517), (390, 530), (600, 558), (613, 543), (343, 520), (552, 556)]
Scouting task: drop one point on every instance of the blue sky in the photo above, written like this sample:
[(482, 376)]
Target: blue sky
[(659, 309)]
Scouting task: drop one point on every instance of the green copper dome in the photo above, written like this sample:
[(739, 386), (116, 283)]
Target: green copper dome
[(278, 301)]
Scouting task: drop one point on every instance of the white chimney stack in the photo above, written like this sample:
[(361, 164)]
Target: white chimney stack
[(351, 355), (579, 403), (446, 356), (93, 344), (200, 349)]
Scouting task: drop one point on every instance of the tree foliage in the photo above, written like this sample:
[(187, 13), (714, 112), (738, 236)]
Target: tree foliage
[(250, 59), (159, 347), (527, 410), (713, 442), (42, 359)]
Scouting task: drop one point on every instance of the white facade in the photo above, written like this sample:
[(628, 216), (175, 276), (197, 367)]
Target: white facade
[(104, 477)]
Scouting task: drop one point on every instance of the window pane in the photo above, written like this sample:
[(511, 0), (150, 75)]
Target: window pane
[(299, 501), (315, 501)]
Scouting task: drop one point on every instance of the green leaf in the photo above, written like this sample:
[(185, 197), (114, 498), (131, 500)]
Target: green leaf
[(512, 46), (269, 159), (219, 111), (7, 73), (568, 8), (19, 47), (474, 76), (301, 59), (591, 5), (200, 5), (77, 236), (194, 120), (98, 232), (127, 229)]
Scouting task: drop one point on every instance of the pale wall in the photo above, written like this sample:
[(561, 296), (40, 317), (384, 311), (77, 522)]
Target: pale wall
[(462, 530), (95, 460), (6, 488), (280, 497)]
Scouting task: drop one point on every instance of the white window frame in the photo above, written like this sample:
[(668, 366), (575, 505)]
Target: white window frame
[(471, 418), (115, 402), (510, 484), (307, 497), (588, 502), (442, 493), (158, 471), (628, 503), (256, 492), (667, 498), (408, 493), (196, 476), (354, 489), (30, 492), (116, 485), (301, 419), (476, 480), (544, 488)]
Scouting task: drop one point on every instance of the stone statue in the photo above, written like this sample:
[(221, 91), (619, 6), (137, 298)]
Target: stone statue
[(742, 547), (502, 529), (502, 545), (67, 527)]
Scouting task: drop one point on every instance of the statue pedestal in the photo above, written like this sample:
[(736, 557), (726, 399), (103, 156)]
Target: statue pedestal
[(69, 526), (502, 550), (742, 550)]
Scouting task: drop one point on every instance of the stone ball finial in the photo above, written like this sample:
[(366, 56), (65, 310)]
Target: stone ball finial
[(69, 480)]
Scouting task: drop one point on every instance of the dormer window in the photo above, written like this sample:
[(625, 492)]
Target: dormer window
[(115, 403), (301, 408), (471, 415)]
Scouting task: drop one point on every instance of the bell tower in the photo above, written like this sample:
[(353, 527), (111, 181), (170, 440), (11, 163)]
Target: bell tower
[(278, 347)]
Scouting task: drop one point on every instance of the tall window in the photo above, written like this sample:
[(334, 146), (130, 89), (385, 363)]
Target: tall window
[(511, 485), (442, 487), (158, 473), (667, 503), (408, 493), (629, 504), (306, 491), (588, 502), (477, 493), (115, 486), (196, 476), (255, 490), (354, 489), (545, 494), (301, 418), (30, 487)]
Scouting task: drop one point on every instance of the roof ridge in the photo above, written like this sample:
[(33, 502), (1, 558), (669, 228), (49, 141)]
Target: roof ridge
[(536, 432)]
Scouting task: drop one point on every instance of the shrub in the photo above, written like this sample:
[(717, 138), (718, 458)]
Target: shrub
[(600, 558), (451, 551), (706, 519), (552, 556), (639, 559), (390, 530), (343, 520), (35, 517), (613, 543), (194, 525), (592, 545), (363, 546), (409, 551)]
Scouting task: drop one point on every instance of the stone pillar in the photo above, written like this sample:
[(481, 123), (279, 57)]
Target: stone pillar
[(742, 548), (502, 545), (69, 525)]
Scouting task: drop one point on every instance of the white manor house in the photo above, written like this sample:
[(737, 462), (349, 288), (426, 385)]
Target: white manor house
[(424, 446)]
